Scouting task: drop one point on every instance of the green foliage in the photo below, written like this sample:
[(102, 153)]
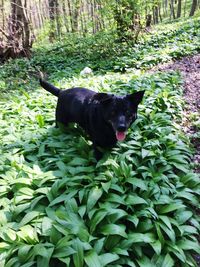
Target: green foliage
[(102, 52), (134, 208)]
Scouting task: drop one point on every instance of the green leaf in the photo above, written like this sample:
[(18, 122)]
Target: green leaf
[(107, 258), (93, 197), (24, 252), (114, 229), (186, 244), (28, 218), (46, 226), (78, 257), (142, 238), (183, 215), (97, 218), (40, 120), (135, 200), (92, 259), (137, 183), (168, 261), (156, 246), (171, 207)]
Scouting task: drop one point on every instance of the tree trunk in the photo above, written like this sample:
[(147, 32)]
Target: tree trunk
[(172, 12), (76, 15), (70, 15), (179, 9), (193, 8), (92, 16), (159, 13), (65, 16), (155, 11), (148, 20), (3, 14), (52, 20), (58, 24), (18, 39)]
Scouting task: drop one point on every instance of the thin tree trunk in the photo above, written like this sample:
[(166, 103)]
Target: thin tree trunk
[(179, 8), (58, 24), (3, 14), (193, 8), (185, 3), (52, 19), (76, 14), (65, 16), (159, 13), (172, 12), (70, 15), (155, 10), (92, 16), (166, 8)]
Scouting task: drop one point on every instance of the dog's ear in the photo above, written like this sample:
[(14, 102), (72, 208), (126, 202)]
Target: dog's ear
[(136, 97), (103, 98)]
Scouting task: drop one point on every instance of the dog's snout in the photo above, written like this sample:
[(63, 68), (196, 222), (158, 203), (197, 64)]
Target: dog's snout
[(121, 125), (121, 128)]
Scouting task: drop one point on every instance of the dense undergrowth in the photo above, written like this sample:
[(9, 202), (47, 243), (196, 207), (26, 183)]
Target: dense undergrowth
[(102, 53), (136, 207)]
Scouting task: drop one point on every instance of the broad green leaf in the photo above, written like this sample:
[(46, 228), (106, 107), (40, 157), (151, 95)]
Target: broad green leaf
[(137, 183), (107, 258), (135, 200), (114, 229), (186, 244), (156, 246), (97, 218), (140, 238), (46, 226), (92, 259), (168, 261), (93, 197), (78, 257), (24, 252), (28, 218), (171, 207)]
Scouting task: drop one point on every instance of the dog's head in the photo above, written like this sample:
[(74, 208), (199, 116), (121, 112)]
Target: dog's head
[(119, 111)]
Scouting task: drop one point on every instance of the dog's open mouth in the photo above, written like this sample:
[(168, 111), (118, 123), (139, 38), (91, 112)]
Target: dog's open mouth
[(120, 136)]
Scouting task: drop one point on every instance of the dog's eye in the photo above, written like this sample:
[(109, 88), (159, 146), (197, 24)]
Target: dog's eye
[(130, 114)]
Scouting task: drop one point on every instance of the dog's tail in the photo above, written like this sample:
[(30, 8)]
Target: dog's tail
[(49, 87)]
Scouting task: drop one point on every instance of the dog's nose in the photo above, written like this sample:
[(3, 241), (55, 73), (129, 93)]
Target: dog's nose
[(121, 128)]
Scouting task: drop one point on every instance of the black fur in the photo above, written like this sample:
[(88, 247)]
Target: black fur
[(105, 117)]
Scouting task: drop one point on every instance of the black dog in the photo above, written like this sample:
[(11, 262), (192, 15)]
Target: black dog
[(104, 117)]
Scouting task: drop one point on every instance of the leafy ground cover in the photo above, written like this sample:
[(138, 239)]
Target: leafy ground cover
[(137, 207), (65, 59), (189, 69)]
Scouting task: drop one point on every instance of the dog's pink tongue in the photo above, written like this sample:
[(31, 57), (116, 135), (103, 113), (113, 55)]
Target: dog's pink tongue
[(120, 136)]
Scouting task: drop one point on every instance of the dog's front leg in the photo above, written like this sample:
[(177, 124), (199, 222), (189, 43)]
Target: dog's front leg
[(97, 153)]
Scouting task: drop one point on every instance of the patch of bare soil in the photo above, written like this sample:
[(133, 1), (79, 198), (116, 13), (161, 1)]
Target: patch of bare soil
[(190, 70)]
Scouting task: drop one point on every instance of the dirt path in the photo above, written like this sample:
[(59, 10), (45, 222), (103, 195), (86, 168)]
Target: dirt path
[(190, 70)]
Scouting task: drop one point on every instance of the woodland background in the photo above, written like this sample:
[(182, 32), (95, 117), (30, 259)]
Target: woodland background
[(139, 205), (21, 20)]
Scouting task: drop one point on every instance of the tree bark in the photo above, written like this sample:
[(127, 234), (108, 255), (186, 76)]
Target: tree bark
[(70, 15), (3, 13), (52, 15), (65, 16), (193, 8), (58, 24), (179, 8), (172, 12)]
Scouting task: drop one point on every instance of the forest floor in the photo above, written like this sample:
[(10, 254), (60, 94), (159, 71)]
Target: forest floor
[(190, 70)]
